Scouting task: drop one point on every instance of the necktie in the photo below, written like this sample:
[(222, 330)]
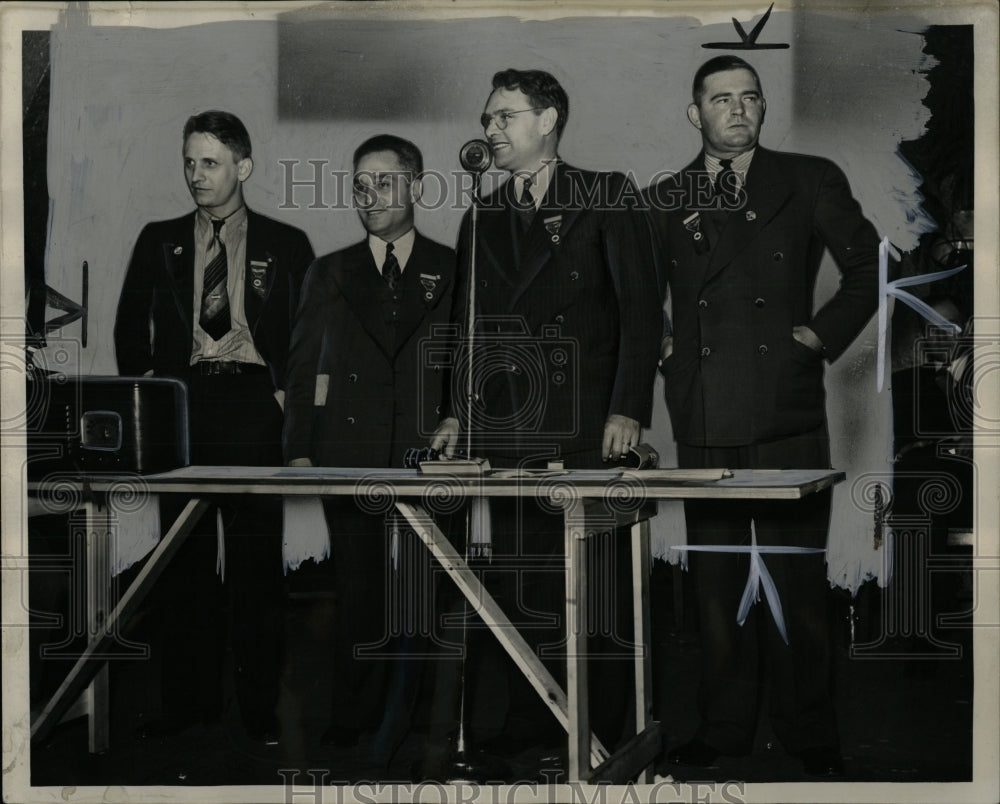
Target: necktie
[(391, 272), (725, 184), (526, 204), (215, 319)]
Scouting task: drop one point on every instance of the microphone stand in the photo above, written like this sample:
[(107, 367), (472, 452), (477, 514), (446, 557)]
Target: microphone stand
[(466, 766)]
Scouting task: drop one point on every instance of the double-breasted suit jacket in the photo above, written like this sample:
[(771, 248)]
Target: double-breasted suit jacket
[(569, 321), (740, 281), (363, 383), (155, 323)]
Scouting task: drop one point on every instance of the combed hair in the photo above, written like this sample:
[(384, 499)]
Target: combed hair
[(409, 154), (720, 64), (225, 127), (542, 89)]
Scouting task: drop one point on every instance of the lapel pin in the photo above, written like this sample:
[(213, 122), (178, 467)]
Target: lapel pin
[(429, 282), (552, 226), (178, 251), (751, 215), (258, 274)]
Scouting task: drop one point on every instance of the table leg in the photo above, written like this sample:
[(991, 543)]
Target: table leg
[(99, 587), (641, 632), (578, 706), (90, 662), (499, 624)]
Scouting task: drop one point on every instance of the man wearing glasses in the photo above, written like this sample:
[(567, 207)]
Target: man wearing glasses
[(567, 333), (360, 394)]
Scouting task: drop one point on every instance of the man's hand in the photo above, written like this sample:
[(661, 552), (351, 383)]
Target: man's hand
[(620, 434), (446, 437), (807, 337), (300, 462)]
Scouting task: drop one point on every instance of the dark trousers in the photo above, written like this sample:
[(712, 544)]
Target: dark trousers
[(382, 621), (527, 577), (735, 659), (235, 421)]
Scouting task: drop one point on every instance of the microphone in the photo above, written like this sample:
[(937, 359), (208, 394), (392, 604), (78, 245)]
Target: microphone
[(475, 156)]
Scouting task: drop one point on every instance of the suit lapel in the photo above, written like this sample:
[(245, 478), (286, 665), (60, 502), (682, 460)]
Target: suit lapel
[(424, 284), (362, 287), (767, 192), (499, 236), (555, 217), (259, 271), (178, 258)]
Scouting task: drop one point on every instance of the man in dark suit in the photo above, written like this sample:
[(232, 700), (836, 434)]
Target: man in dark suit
[(742, 231), (567, 327), (208, 298), (362, 390)]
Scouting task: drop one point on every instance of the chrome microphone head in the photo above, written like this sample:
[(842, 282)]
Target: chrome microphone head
[(475, 156)]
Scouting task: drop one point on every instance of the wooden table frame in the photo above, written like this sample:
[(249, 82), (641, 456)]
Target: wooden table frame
[(576, 492)]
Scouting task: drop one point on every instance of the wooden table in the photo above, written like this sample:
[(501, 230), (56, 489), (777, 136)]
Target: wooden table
[(625, 496)]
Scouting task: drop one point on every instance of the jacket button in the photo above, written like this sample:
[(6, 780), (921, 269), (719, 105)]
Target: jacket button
[(673, 263), (705, 351), (437, 410), (703, 303), (350, 420), (484, 283), (778, 256), (762, 349), (574, 275), (352, 377), (559, 319), (759, 302)]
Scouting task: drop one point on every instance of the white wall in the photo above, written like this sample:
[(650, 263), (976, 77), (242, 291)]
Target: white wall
[(313, 87)]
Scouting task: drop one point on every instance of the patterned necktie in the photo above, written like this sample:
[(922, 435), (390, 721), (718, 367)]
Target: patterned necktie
[(391, 272), (725, 184), (526, 204), (215, 318)]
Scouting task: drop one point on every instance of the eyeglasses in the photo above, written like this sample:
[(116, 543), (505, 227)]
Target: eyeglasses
[(502, 117)]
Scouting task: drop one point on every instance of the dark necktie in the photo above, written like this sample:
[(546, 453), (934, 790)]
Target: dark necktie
[(526, 204), (215, 318), (725, 184), (391, 272)]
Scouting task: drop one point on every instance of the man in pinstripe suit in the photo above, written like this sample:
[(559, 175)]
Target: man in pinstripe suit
[(568, 324)]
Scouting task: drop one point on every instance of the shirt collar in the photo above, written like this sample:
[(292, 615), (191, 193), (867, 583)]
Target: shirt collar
[(402, 247), (233, 221), (740, 166), (539, 181)]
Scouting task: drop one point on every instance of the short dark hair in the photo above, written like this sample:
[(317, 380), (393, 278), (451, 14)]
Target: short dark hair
[(409, 154), (720, 64), (541, 88), (225, 127)]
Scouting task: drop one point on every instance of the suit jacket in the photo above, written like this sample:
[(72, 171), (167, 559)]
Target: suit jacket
[(363, 384), (154, 327), (569, 318), (736, 375)]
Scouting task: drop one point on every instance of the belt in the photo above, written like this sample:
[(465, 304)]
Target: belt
[(209, 367)]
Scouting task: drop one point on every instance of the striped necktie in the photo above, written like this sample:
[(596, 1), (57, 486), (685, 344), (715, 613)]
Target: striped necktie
[(215, 318)]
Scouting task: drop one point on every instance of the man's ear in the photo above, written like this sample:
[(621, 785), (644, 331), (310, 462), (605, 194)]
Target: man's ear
[(244, 168), (694, 115), (549, 117), (416, 190)]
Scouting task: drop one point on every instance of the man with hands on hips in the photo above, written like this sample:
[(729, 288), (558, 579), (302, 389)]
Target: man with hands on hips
[(742, 231)]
